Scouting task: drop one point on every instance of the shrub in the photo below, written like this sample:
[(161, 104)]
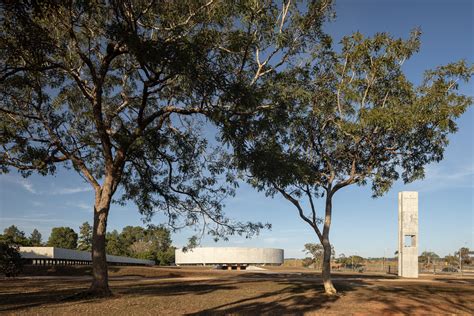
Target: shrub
[(10, 260)]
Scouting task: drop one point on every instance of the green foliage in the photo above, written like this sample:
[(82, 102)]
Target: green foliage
[(130, 235), (85, 237), (166, 257), (349, 116), (307, 262), (342, 259), (114, 246), (317, 251), (63, 237), (159, 237), (153, 243), (118, 91), (356, 259), (359, 119), (464, 253), (14, 236), (451, 260), (351, 262), (10, 260), (428, 257), (35, 239)]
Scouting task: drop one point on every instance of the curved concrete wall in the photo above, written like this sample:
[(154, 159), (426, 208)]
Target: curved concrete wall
[(229, 255)]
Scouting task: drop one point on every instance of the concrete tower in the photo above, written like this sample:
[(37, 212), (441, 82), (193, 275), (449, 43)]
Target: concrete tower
[(408, 234)]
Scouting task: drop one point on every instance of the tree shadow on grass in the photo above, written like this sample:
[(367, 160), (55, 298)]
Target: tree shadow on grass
[(55, 294), (19, 301), (420, 298), (297, 297), (175, 288), (73, 270), (316, 275), (456, 280), (274, 294)]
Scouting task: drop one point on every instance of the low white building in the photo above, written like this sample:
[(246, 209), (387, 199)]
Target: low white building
[(61, 256), (229, 256)]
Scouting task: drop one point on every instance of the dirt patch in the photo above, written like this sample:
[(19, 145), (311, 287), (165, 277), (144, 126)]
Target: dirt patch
[(120, 271), (208, 292)]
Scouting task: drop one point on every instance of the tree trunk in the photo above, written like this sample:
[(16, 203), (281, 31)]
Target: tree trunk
[(100, 281), (326, 272)]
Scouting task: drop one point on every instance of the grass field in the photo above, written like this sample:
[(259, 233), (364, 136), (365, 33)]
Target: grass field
[(201, 291)]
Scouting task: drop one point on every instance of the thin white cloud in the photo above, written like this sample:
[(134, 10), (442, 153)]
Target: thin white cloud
[(274, 240), (28, 186), (18, 220), (63, 191), (24, 183), (82, 205), (238, 242), (440, 178), (463, 173)]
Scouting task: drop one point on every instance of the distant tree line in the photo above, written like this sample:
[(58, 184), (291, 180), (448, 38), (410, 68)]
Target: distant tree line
[(316, 252), (152, 243)]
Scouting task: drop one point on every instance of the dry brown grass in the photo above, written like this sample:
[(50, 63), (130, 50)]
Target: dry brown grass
[(165, 291)]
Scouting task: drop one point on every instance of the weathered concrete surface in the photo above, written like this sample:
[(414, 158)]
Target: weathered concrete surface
[(229, 255), (408, 234), (69, 254)]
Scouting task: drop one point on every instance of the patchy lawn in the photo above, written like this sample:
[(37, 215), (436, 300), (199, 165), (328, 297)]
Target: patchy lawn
[(165, 291)]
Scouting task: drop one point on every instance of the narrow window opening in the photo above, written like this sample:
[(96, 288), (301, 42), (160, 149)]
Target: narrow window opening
[(409, 241)]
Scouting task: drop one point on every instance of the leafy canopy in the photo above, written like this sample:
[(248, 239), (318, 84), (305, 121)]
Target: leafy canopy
[(35, 238), (13, 236), (10, 260), (317, 252), (63, 237), (85, 237), (153, 243), (351, 116), (113, 90)]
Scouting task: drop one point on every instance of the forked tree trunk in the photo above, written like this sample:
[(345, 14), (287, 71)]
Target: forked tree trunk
[(100, 281), (326, 272)]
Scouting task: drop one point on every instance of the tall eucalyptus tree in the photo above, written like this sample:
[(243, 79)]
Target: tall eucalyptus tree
[(349, 116), (116, 89)]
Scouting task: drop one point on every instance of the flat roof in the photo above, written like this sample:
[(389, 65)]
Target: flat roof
[(229, 255), (70, 254)]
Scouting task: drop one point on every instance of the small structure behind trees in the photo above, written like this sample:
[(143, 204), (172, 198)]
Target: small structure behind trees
[(151, 243)]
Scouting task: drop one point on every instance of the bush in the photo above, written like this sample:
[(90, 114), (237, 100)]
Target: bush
[(307, 262), (10, 260), (166, 258)]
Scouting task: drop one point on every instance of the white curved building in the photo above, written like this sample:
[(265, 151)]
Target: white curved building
[(229, 256)]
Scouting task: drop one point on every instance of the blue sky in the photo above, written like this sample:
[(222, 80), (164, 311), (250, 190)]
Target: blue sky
[(361, 225)]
